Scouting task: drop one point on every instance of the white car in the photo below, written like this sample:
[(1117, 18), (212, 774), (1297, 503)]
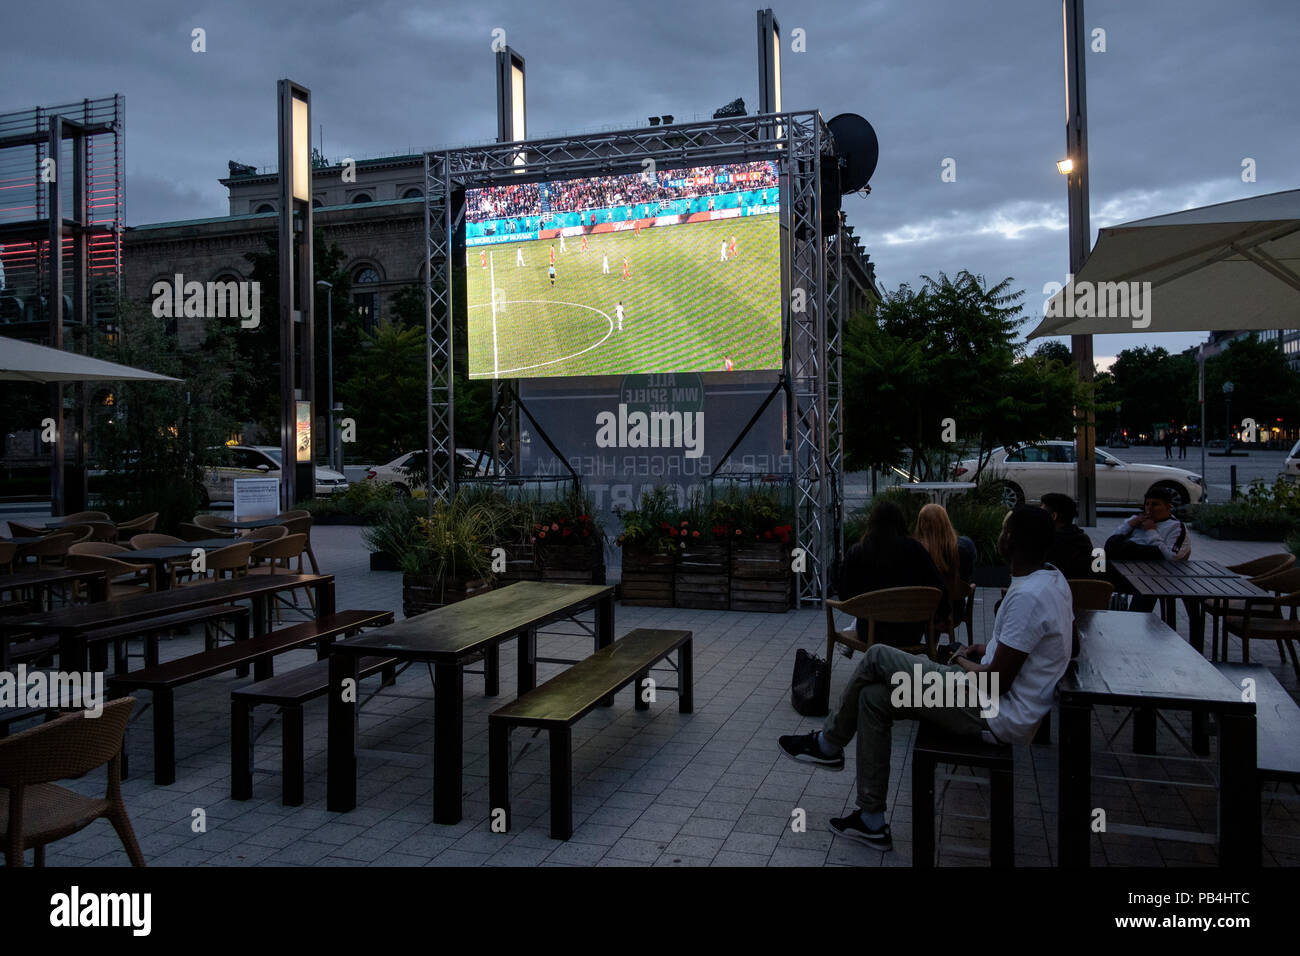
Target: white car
[(470, 463), (1291, 467), (258, 461), (1027, 472)]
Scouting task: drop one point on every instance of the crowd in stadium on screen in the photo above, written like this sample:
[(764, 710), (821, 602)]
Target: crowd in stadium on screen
[(603, 192)]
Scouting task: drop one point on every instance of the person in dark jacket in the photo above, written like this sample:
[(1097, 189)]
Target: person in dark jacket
[(888, 557), (1071, 548)]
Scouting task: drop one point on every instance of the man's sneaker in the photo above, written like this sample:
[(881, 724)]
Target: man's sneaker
[(853, 828), (804, 749)]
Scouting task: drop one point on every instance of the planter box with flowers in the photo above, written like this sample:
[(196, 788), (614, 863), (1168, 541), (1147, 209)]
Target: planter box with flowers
[(570, 545), (649, 542), (757, 525), (702, 577)]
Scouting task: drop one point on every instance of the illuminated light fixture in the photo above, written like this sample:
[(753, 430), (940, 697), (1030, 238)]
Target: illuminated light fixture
[(301, 149), (1065, 167), (511, 102), (769, 67)]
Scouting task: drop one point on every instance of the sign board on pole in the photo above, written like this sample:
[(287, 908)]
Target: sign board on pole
[(256, 498)]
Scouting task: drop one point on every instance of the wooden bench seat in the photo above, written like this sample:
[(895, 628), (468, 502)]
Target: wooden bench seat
[(565, 699), (934, 747), (163, 679), (1277, 722), (289, 691), (150, 630)]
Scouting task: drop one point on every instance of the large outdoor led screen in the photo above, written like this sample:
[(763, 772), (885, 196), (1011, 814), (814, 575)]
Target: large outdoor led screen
[(674, 270)]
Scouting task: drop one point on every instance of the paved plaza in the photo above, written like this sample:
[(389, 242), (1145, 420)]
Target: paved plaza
[(651, 788)]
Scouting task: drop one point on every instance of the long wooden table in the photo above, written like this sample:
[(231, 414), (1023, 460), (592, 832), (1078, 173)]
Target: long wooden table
[(73, 623), (448, 638), (40, 581), (1195, 582), (1134, 660)]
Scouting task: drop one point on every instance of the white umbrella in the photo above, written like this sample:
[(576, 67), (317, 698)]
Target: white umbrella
[(25, 362), (1233, 265)]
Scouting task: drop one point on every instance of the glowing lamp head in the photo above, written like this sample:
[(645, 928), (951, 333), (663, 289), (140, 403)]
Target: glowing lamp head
[(1065, 167)]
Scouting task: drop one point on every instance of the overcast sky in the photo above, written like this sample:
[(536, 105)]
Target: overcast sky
[(1183, 92)]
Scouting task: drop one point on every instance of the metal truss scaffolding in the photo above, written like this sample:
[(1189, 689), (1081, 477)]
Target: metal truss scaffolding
[(799, 142)]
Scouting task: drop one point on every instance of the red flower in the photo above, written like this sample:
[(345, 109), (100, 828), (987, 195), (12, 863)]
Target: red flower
[(695, 534), (554, 526), (767, 534), (533, 539), (685, 523), (567, 532), (737, 531), (541, 534), (673, 532)]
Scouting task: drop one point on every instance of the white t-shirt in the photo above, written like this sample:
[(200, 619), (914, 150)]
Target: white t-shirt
[(1037, 618)]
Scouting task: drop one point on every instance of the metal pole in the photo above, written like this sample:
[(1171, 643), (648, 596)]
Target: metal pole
[(329, 341), (1200, 355), (1076, 136)]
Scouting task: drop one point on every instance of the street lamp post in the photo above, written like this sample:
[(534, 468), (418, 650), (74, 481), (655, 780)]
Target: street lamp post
[(1227, 417), (329, 318)]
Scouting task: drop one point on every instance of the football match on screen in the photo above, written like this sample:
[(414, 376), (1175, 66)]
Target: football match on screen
[(674, 270)]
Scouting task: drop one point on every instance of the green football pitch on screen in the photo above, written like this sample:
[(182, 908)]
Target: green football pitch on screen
[(685, 306)]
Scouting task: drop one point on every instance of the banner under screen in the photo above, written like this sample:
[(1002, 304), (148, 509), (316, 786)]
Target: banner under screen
[(672, 271)]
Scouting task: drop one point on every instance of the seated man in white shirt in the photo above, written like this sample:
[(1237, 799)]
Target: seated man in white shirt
[(1019, 670), (1153, 535)]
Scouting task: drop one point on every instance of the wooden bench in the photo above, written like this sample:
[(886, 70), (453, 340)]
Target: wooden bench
[(1277, 722), (288, 691), (97, 641), (934, 747), (563, 700), (163, 679)]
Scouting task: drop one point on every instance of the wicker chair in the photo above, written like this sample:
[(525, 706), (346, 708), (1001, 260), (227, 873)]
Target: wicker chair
[(87, 516), (143, 542), (278, 553), (141, 525), (300, 523), (1264, 620), (19, 530), (79, 532), (214, 523), (911, 605), (97, 547), (194, 532), (50, 550), (274, 533), (124, 580), (232, 558), (35, 811)]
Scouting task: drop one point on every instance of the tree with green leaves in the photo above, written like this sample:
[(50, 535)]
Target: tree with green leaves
[(1264, 386)]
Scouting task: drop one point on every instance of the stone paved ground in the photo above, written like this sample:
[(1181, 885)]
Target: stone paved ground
[(652, 788)]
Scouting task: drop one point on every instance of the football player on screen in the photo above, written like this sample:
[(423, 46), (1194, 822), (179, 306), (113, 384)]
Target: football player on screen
[(550, 270), (519, 257), (627, 270), (604, 266), (618, 311)]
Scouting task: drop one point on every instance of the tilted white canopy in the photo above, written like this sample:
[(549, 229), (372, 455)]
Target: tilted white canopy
[(26, 362), (1233, 265)]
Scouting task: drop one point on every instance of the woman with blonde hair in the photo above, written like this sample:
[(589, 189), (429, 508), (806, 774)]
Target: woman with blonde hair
[(953, 556)]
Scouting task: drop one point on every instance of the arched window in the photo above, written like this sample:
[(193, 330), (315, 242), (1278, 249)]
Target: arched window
[(264, 207), (413, 193), (365, 299), (361, 197)]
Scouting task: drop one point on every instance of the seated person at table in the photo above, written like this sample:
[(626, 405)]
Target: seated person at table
[(1029, 653), (887, 557), (1071, 549), (953, 557), (1153, 535)]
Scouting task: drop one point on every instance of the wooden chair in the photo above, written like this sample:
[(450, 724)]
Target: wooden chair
[(967, 617), (87, 516), (140, 525), (79, 532), (294, 513), (50, 550), (1264, 621), (273, 533), (911, 605), (1090, 594), (34, 810), (1279, 582), (278, 553), (1257, 570), (300, 523), (124, 580), (97, 547)]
